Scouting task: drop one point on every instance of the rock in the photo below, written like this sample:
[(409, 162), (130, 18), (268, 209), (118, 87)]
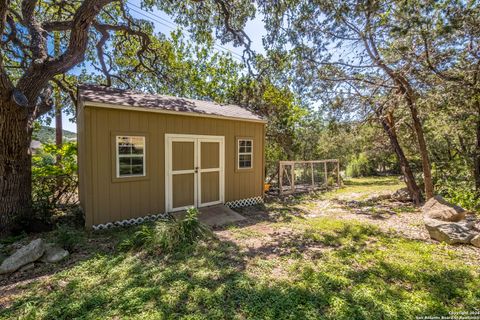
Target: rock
[(476, 241), (23, 256), (449, 232), (378, 197), (476, 226), (469, 222), (27, 267), (401, 195), (438, 208), (53, 254)]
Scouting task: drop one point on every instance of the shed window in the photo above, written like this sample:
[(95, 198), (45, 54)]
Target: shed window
[(245, 153), (130, 156)]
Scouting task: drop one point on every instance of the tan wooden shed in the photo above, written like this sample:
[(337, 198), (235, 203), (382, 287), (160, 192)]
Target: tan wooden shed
[(141, 156)]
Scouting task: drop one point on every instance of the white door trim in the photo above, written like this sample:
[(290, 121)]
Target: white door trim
[(196, 139)]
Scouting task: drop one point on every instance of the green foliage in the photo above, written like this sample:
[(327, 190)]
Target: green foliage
[(68, 237), (46, 135), (169, 236), (461, 193), (54, 185), (359, 166)]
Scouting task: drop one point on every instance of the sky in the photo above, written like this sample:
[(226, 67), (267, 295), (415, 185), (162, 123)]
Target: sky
[(255, 30)]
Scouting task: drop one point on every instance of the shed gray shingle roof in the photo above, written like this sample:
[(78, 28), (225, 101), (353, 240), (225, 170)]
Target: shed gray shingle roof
[(128, 98)]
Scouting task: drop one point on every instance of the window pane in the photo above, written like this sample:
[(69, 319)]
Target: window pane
[(137, 145), (245, 157), (125, 170), (137, 161), (245, 161), (244, 146), (138, 170), (125, 161), (130, 145), (124, 145), (131, 166), (245, 164)]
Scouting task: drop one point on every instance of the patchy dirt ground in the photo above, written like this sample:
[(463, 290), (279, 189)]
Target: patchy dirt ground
[(259, 233), (305, 252)]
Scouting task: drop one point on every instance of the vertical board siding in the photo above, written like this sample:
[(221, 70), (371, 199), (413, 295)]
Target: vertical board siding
[(106, 199)]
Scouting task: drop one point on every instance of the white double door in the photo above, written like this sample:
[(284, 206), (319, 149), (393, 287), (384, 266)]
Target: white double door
[(194, 167)]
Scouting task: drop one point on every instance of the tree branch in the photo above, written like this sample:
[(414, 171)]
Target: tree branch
[(35, 79), (239, 34), (38, 43)]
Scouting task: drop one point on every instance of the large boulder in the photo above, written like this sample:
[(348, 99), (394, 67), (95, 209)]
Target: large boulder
[(23, 256), (53, 254), (449, 232), (438, 208), (476, 241), (401, 195)]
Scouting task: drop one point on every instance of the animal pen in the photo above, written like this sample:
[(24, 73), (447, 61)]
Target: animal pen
[(303, 176)]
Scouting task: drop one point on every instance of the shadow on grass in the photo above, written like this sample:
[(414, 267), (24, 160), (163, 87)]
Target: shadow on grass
[(367, 275), (372, 182), (376, 209)]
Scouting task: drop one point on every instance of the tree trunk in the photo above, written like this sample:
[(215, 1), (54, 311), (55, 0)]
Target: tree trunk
[(476, 153), (413, 189), (15, 165), (58, 105), (58, 124), (427, 171)]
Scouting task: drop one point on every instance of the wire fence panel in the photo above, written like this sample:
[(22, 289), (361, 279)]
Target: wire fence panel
[(303, 176)]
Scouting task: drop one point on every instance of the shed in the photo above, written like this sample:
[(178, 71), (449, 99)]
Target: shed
[(142, 156)]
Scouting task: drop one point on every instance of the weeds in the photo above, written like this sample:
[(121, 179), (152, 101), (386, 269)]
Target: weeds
[(169, 236)]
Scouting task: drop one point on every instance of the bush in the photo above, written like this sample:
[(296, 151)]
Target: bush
[(68, 238), (169, 236), (54, 185), (462, 194), (359, 166), (454, 181)]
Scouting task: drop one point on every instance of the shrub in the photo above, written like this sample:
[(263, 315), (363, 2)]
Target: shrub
[(54, 185), (68, 238), (359, 166), (169, 236), (462, 194)]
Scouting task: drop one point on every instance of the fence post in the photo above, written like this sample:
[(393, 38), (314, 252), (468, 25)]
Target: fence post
[(313, 174), (293, 177), (326, 172), (280, 177), (339, 183)]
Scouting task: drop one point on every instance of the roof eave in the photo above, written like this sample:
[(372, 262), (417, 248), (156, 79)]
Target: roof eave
[(163, 111)]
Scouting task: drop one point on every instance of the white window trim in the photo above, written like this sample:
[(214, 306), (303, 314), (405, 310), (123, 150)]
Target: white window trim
[(244, 153), (118, 156)]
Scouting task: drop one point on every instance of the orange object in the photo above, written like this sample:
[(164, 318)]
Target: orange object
[(266, 187)]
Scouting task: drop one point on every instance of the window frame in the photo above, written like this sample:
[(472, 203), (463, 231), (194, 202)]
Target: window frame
[(238, 154), (118, 156)]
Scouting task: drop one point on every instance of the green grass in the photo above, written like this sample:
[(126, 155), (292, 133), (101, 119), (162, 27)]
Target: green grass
[(325, 269), (368, 185)]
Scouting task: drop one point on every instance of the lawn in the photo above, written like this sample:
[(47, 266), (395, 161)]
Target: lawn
[(307, 257)]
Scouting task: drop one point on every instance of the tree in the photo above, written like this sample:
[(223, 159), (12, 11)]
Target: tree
[(346, 42), (441, 42), (90, 32)]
